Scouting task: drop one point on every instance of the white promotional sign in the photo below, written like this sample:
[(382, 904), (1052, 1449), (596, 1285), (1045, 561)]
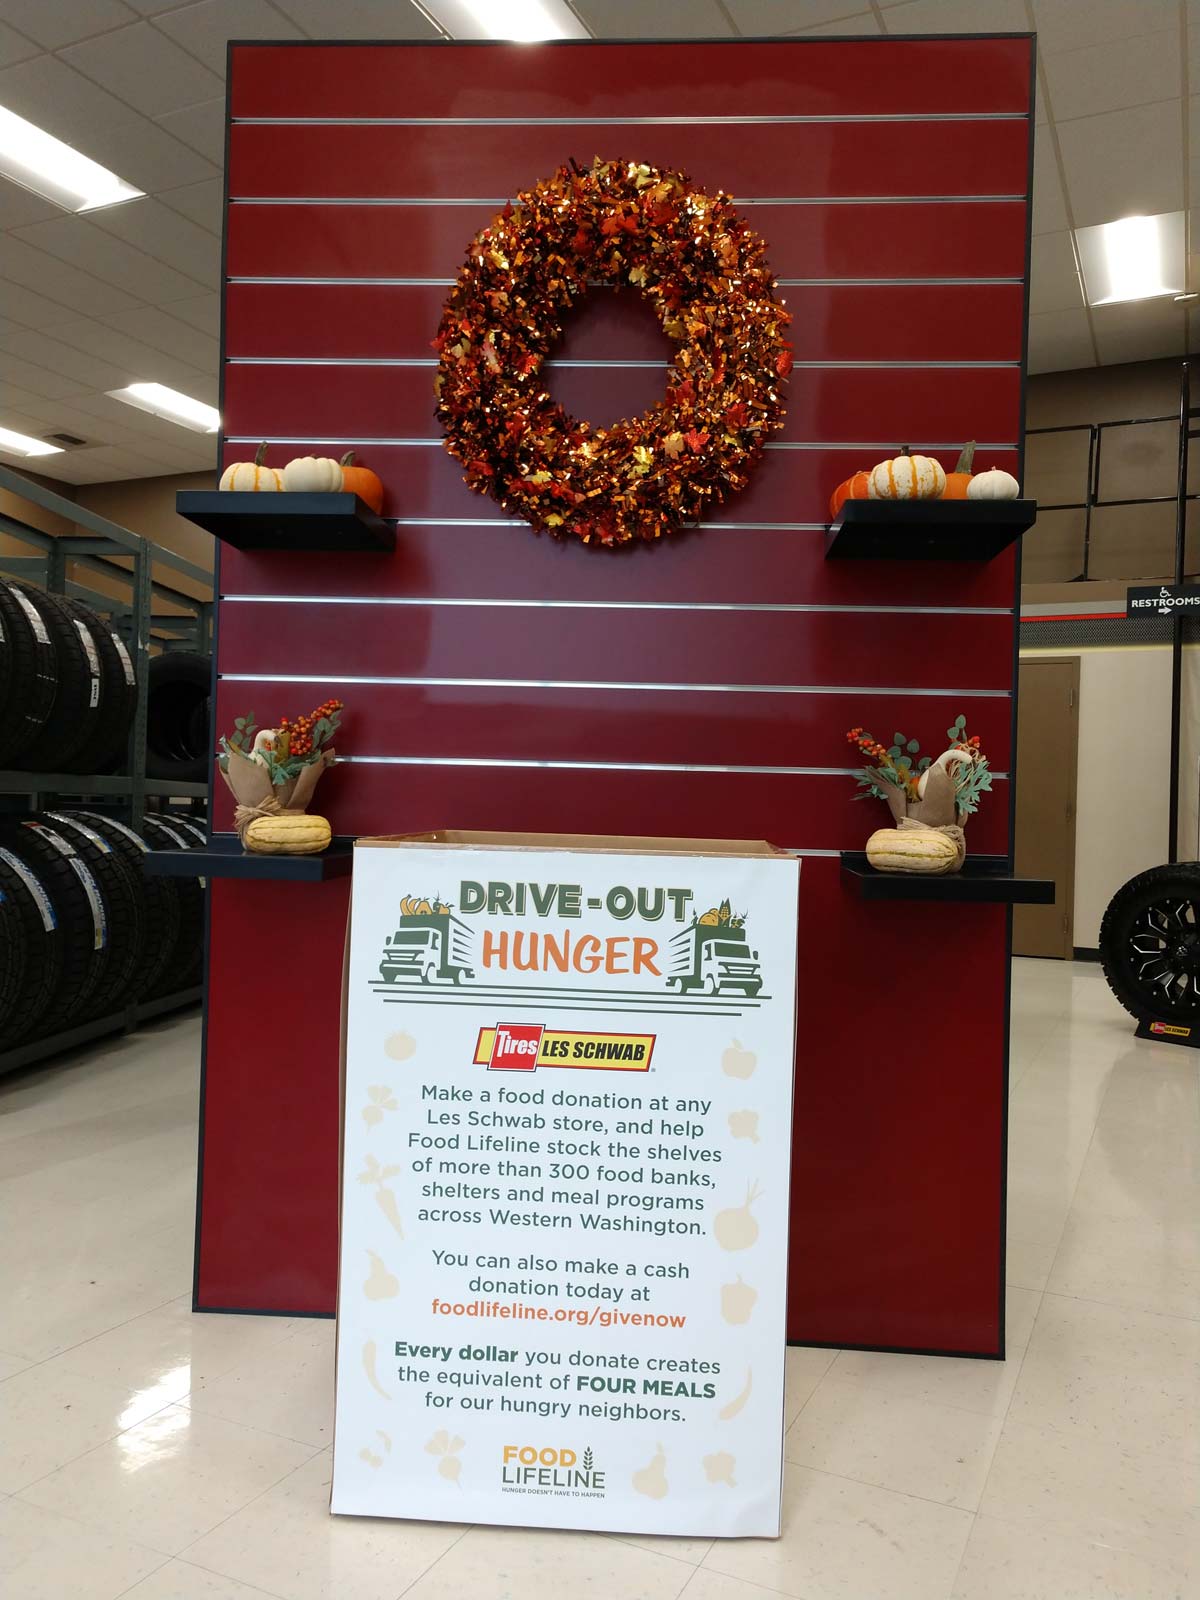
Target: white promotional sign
[(568, 1086)]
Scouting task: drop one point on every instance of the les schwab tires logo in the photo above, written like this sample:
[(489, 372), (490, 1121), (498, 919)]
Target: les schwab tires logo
[(525, 1046), (550, 1470)]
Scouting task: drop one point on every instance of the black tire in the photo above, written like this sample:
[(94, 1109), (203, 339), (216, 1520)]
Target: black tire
[(1150, 943), (179, 740), (123, 906), (79, 913), (187, 825), (159, 901), (14, 960), (76, 712), (42, 943), (186, 966), (33, 679), (105, 746)]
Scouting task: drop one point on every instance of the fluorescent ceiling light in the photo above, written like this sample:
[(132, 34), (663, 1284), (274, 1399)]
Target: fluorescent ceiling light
[(1136, 258), (170, 405), (38, 161), (20, 444), (507, 19)]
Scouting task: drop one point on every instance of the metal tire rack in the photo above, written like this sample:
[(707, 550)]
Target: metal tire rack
[(123, 557)]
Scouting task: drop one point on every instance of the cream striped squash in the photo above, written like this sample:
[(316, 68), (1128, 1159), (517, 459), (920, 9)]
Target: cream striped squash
[(288, 834), (251, 476), (907, 478), (912, 850)]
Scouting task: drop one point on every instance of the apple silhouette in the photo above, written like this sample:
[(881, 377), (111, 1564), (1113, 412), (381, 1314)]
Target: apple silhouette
[(738, 1062)]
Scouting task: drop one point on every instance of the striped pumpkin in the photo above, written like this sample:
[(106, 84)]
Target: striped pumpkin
[(251, 476), (907, 477)]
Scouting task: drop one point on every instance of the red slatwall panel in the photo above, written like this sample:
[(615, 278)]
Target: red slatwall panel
[(899, 238)]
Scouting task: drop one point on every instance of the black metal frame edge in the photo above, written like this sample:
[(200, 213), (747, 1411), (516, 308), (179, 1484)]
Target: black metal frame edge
[(728, 39)]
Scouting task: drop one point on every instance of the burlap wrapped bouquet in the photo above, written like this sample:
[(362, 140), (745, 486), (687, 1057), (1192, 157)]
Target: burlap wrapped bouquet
[(273, 772), (930, 801)]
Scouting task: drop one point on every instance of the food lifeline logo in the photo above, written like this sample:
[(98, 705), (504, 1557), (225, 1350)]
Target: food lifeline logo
[(549, 1469), (525, 1046)]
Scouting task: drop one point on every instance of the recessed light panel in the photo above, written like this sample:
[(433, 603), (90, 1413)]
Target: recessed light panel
[(170, 405), (1136, 258), (507, 19), (38, 161), (20, 444)]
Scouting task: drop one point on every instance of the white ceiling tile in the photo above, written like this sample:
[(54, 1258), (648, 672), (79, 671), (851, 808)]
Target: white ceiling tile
[(203, 203), (159, 433), (202, 312), (148, 156), (14, 399), (858, 23), (1066, 24), (162, 233), (769, 17), (1140, 330), (1049, 207), (79, 292), (201, 127), (1053, 280), (956, 16), (359, 19), (1060, 340), (83, 244), (145, 68), (77, 414), (205, 28), (37, 379), (14, 46), (163, 330), (154, 8), (666, 19), (53, 95), (83, 370), (1098, 78), (19, 207), (28, 309), (54, 23), (1124, 162)]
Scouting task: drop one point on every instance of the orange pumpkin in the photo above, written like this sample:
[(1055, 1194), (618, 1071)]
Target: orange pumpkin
[(957, 481), (362, 482), (854, 488)]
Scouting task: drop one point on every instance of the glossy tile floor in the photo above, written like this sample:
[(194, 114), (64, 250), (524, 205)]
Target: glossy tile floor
[(148, 1452)]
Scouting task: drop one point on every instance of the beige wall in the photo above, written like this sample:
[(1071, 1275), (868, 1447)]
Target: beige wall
[(1127, 542)]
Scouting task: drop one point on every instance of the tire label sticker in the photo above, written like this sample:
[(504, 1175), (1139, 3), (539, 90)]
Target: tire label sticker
[(130, 679), (89, 645), (41, 898), (56, 839), (92, 889), (88, 833), (172, 834), (32, 612), (129, 834)]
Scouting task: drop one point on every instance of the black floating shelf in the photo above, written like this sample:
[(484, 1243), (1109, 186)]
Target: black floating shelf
[(928, 530), (983, 880), (225, 858), (274, 521)]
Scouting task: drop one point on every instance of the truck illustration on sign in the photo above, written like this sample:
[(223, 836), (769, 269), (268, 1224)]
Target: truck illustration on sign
[(430, 945), (711, 954)]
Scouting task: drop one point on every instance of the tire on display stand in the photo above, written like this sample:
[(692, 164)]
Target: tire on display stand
[(186, 967), (75, 715), (41, 940), (14, 958), (179, 741), (1150, 943), (33, 676), (79, 916), (104, 747), (123, 912), (161, 917)]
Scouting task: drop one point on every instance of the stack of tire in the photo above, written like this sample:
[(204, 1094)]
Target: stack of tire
[(85, 932), (67, 688)]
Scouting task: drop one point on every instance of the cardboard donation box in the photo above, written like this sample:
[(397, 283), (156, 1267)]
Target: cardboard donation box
[(566, 1146)]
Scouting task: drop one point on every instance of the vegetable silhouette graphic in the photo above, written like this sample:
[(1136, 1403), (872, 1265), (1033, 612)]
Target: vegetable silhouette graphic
[(379, 1099), (737, 1301), (446, 1449), (738, 1062), (728, 1412), (719, 1468), (368, 1360), (400, 1046), (381, 1284), (652, 1480), (744, 1125), (373, 1173), (368, 1455), (737, 1228)]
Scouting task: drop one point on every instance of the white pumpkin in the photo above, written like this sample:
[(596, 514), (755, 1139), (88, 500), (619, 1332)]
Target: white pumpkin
[(251, 476), (993, 485), (313, 475), (907, 477)]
